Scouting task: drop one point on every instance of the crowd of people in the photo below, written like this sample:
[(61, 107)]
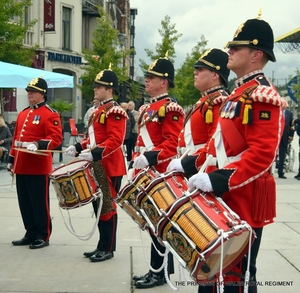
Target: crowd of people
[(227, 127)]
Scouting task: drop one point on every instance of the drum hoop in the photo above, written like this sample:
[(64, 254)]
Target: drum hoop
[(71, 172)]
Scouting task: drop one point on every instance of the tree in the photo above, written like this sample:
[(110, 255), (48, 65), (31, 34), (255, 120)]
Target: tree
[(169, 37), (185, 92), (106, 50), (12, 33)]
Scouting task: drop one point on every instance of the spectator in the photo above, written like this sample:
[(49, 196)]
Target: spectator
[(130, 123), (5, 140), (88, 113), (287, 137), (134, 134), (297, 128)]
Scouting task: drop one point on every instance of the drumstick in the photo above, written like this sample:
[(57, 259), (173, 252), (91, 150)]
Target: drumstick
[(50, 151), (205, 164), (30, 152), (185, 153), (202, 169), (76, 158)]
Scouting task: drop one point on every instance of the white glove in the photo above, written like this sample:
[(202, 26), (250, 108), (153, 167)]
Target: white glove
[(175, 165), (32, 147), (71, 151), (86, 155), (200, 181), (9, 169), (140, 162)]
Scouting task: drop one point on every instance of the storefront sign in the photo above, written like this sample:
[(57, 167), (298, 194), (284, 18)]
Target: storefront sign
[(65, 58)]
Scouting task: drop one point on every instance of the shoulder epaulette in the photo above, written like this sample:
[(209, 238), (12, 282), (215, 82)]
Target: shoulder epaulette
[(117, 110), (175, 107)]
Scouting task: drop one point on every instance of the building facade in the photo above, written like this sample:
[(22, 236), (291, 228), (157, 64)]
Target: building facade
[(63, 30)]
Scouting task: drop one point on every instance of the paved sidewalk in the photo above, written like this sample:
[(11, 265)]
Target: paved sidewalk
[(61, 267)]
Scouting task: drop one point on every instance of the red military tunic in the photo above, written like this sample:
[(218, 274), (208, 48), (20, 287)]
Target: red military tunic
[(40, 124), (251, 125), (200, 125), (109, 123), (163, 120)]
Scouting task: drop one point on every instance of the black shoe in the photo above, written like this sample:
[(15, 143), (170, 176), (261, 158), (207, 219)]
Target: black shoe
[(23, 241), (282, 176), (102, 256), (138, 278), (149, 282), (38, 243), (297, 177), (90, 253)]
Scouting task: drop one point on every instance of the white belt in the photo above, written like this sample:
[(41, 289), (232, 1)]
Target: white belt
[(139, 149), (22, 144), (214, 161), (181, 150)]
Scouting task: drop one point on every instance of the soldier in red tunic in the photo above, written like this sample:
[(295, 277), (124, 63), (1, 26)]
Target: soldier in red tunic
[(160, 123), (210, 77), (103, 145), (38, 127), (245, 145)]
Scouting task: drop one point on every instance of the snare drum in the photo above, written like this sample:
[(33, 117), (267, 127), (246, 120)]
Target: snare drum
[(75, 184), (201, 230), (126, 197), (159, 195)]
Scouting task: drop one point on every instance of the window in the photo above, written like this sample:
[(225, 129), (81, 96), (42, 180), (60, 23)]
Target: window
[(66, 29)]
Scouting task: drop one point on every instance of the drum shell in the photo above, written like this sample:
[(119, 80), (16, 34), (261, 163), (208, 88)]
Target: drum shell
[(191, 231), (75, 184), (159, 195), (126, 197)]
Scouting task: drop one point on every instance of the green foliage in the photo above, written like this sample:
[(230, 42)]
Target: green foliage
[(61, 107), (106, 50), (12, 32), (169, 37), (184, 91)]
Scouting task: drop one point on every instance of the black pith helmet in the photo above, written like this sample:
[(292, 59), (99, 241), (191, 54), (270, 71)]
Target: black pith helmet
[(215, 60), (255, 33), (107, 78), (38, 85), (163, 68)]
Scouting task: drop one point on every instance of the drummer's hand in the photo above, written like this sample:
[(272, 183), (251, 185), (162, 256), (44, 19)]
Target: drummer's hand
[(9, 169), (71, 151), (86, 155), (175, 165), (200, 181), (32, 147), (140, 162)]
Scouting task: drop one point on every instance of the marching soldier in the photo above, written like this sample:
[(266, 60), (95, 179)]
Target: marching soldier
[(38, 127), (160, 123), (103, 146), (245, 146), (211, 78)]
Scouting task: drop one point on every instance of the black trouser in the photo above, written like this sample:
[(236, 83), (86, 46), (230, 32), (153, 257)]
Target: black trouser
[(33, 197), (156, 260), (282, 155), (242, 267), (108, 229)]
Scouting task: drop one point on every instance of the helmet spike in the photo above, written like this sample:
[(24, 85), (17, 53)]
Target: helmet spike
[(259, 13)]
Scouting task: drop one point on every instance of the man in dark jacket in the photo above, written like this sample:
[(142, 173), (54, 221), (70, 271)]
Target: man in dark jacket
[(287, 137), (130, 123)]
